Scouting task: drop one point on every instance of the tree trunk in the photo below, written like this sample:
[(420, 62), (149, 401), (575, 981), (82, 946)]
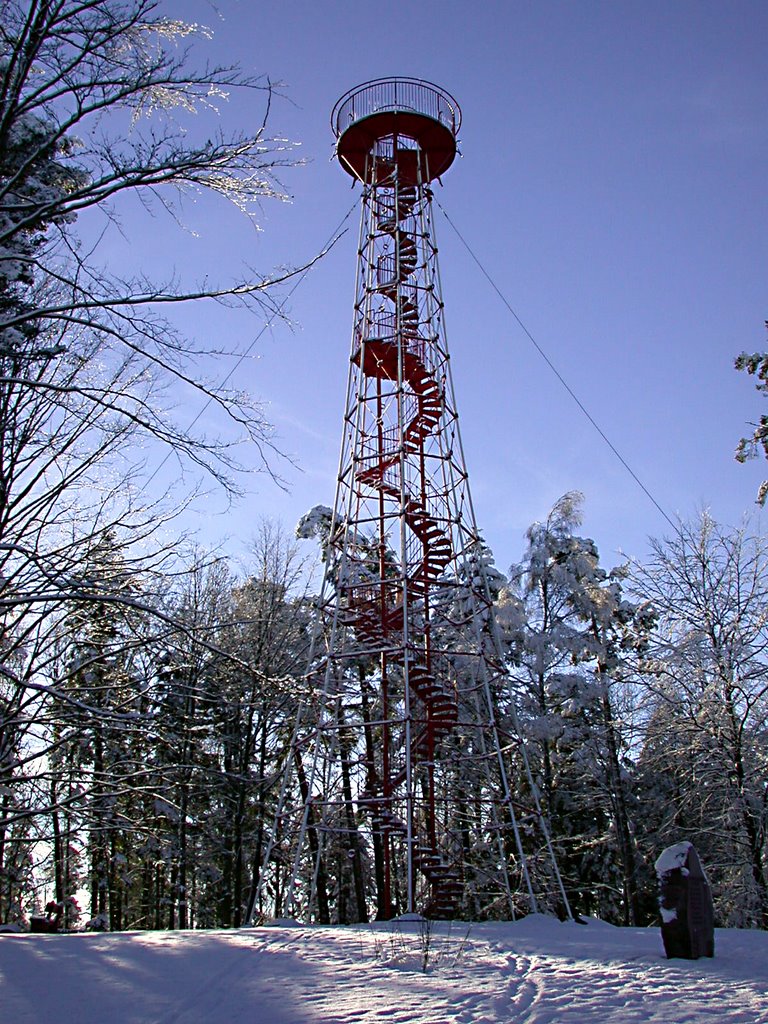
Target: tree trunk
[(355, 847), (323, 912), (620, 813)]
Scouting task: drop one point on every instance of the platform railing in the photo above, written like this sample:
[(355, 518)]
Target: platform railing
[(396, 95)]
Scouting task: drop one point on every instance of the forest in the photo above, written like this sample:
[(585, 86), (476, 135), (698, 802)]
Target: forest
[(149, 689)]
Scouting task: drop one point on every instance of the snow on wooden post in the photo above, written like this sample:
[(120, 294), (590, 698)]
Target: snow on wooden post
[(685, 902)]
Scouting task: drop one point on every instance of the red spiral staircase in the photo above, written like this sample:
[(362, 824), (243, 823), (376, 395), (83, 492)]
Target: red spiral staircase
[(378, 619)]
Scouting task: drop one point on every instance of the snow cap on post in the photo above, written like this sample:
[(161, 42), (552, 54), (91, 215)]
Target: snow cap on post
[(671, 858)]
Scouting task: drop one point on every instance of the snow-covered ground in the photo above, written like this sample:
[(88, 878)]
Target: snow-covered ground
[(536, 971)]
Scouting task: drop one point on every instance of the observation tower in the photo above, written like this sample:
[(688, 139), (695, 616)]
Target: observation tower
[(407, 788)]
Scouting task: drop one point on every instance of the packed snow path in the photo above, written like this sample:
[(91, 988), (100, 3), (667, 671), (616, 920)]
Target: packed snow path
[(534, 972)]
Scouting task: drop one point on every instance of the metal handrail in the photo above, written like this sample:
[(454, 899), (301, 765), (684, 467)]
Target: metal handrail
[(412, 95)]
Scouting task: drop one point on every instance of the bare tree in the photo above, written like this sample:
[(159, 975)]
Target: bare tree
[(707, 673), (97, 99), (93, 99), (756, 365)]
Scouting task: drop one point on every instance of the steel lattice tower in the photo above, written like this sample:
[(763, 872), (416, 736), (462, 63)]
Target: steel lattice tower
[(398, 791)]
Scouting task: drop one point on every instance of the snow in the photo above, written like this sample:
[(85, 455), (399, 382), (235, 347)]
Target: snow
[(671, 858), (315, 522), (535, 971)]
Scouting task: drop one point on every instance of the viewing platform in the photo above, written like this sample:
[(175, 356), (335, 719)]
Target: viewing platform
[(396, 118)]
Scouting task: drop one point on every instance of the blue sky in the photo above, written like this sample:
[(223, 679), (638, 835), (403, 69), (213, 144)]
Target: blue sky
[(612, 182)]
